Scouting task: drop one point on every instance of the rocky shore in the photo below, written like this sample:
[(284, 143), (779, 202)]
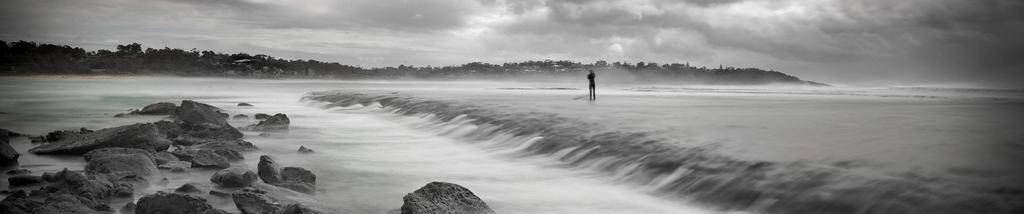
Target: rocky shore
[(195, 136)]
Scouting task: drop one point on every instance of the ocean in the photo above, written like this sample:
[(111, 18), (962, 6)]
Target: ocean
[(542, 148)]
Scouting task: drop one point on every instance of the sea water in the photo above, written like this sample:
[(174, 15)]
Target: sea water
[(367, 157)]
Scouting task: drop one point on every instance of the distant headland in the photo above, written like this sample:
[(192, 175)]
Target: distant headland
[(29, 58)]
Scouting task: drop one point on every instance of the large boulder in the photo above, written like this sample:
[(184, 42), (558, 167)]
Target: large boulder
[(442, 197), (193, 119), (8, 155), (115, 151), (164, 157), (20, 203), (162, 108), (233, 177), (304, 150), (141, 136), (209, 159), (297, 174), (172, 203), (276, 122), (117, 166), (260, 116), (268, 170), (89, 192)]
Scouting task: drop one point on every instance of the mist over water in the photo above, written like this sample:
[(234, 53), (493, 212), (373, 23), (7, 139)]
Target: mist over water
[(369, 155)]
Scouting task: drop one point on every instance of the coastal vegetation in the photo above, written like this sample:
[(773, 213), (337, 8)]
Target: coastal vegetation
[(30, 58)]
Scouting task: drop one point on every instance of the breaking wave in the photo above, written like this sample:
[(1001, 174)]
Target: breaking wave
[(693, 174)]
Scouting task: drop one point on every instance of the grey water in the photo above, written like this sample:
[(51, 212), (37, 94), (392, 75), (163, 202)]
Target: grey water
[(367, 157)]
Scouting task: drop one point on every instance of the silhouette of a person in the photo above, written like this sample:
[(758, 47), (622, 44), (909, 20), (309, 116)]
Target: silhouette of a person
[(593, 87)]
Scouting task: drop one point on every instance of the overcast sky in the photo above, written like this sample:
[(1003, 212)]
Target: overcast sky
[(969, 42)]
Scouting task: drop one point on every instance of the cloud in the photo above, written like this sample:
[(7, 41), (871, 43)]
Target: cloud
[(828, 40)]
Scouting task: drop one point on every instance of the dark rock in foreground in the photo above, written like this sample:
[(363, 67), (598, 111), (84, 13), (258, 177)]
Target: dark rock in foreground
[(116, 163), (172, 203), (263, 198), (66, 192), (277, 122), (442, 197), (141, 136), (7, 153), (268, 170), (162, 108), (22, 180), (233, 177)]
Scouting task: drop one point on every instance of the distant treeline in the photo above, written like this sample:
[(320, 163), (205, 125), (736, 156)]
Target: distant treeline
[(30, 58)]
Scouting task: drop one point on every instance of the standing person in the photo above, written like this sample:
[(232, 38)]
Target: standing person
[(593, 87)]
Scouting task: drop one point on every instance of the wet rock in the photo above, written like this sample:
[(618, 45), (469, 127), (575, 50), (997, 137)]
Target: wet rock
[(300, 209), (18, 171), (162, 108), (194, 113), (141, 136), (244, 104), (55, 136), (164, 157), (8, 155), (215, 144), (239, 116), (188, 189), (128, 208), (24, 180), (171, 203), (175, 164), (233, 177), (9, 133), (277, 122), (298, 175), (88, 192), (215, 211), (306, 188), (304, 150), (441, 197), (263, 198), (231, 155), (219, 193), (268, 170), (116, 166), (260, 116), (110, 152), (124, 190), (179, 170), (124, 115), (209, 159)]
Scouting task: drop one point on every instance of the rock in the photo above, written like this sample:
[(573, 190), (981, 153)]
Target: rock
[(239, 116), (306, 188), (231, 155), (216, 144), (297, 174), (300, 209), (194, 113), (116, 151), (252, 201), (268, 170), (201, 121), (304, 150), (141, 136), (37, 193), (23, 180), (128, 208), (124, 115), (244, 104), (9, 133), (277, 122), (441, 197), (8, 155), (55, 136), (175, 164), (61, 203), (209, 159), (116, 166), (158, 109), (171, 203), (89, 192), (187, 188), (215, 211), (179, 169), (18, 171), (263, 198), (260, 116), (124, 190), (164, 157), (233, 177)]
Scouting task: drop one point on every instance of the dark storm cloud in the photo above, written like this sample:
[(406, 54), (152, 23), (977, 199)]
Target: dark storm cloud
[(830, 40)]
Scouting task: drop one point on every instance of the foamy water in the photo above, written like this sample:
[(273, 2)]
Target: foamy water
[(369, 156)]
